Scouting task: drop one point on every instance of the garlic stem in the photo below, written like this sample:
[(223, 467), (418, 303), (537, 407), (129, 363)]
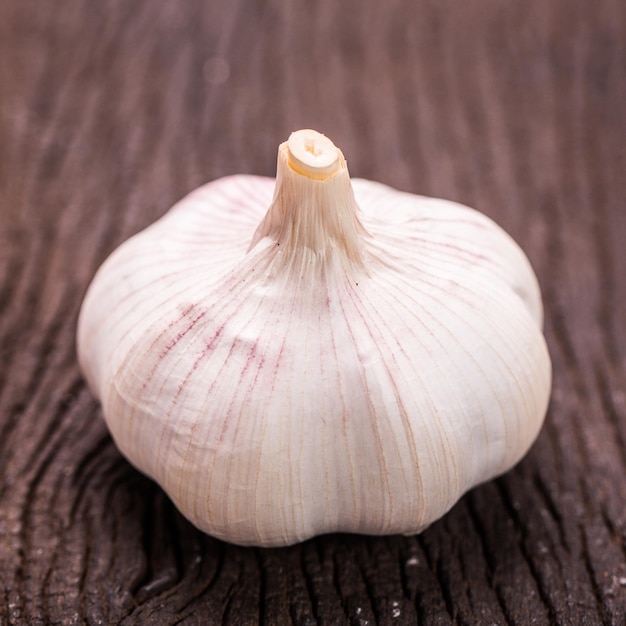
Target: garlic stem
[(312, 154), (313, 209)]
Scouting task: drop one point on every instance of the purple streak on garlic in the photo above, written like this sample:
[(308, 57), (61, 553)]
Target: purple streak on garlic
[(351, 359)]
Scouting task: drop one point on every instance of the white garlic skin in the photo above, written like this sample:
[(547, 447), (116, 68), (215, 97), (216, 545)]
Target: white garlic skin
[(289, 389)]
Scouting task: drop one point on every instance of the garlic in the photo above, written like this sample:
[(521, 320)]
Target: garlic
[(355, 362)]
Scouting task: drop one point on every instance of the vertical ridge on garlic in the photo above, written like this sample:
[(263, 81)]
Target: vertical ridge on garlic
[(308, 355)]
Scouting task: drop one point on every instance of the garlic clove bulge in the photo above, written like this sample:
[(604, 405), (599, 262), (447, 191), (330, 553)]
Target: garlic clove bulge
[(312, 354)]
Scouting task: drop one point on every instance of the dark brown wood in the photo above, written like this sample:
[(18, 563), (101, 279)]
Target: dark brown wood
[(112, 110)]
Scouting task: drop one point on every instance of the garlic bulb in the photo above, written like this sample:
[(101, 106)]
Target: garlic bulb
[(351, 359)]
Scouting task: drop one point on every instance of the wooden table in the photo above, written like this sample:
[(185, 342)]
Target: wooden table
[(111, 110)]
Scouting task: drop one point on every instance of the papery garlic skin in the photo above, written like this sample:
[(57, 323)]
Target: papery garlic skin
[(341, 362)]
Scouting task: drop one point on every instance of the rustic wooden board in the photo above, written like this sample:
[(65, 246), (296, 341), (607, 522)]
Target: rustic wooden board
[(111, 110)]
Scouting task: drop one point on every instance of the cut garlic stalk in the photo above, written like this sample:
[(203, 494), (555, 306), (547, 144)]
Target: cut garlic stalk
[(354, 362)]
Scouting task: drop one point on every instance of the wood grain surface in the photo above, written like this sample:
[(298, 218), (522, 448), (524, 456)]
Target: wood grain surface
[(111, 110)]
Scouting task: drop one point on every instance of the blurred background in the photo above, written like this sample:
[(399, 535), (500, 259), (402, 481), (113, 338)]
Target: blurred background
[(110, 111)]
